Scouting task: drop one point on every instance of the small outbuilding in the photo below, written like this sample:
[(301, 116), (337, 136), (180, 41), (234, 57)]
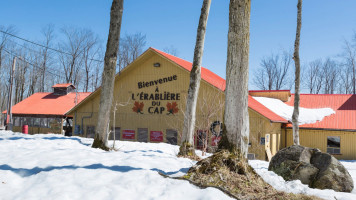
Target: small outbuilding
[(45, 112)]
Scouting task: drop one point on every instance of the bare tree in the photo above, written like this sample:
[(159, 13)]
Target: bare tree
[(5, 65), (131, 46), (187, 141), (90, 52), (235, 136), (345, 84), (349, 55), (273, 73), (48, 33), (107, 86), (74, 47), (331, 75), (211, 108), (171, 50), (34, 75), (5, 39), (20, 76), (296, 59), (314, 77)]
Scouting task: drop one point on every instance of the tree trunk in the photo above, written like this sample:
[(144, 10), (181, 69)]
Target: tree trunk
[(236, 119), (296, 59), (108, 77), (187, 141)]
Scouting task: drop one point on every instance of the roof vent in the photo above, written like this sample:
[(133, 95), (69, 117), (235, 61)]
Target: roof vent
[(63, 88)]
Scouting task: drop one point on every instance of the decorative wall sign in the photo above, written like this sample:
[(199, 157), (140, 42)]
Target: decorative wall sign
[(216, 128), (156, 136), (138, 107), (155, 106), (128, 134), (172, 108)]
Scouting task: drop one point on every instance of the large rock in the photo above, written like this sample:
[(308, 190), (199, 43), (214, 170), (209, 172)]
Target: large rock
[(311, 167)]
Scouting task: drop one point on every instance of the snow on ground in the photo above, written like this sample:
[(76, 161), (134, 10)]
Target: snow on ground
[(306, 115), (48, 166)]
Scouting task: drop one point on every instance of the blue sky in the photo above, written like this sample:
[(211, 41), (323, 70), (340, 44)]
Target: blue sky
[(326, 23)]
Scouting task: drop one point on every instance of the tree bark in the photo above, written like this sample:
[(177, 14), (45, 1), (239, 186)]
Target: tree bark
[(108, 77), (236, 118), (187, 140), (296, 59)]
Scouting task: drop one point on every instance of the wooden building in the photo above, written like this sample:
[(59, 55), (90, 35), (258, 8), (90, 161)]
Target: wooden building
[(150, 96), (45, 112)]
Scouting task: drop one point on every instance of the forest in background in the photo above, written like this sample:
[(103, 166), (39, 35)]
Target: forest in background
[(75, 55)]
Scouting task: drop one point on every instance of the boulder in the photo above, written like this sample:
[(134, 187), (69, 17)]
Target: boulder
[(312, 167)]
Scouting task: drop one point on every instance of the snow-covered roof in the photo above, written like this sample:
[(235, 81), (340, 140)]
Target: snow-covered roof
[(306, 115)]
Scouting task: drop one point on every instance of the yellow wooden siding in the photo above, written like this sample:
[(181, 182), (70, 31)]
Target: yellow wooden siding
[(126, 85), (318, 139), (259, 127), (209, 98)]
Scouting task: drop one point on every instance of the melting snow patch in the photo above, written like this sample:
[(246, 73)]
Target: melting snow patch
[(306, 115)]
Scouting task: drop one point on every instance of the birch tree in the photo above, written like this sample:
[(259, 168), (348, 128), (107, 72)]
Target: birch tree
[(187, 141), (296, 59), (235, 136), (108, 77)]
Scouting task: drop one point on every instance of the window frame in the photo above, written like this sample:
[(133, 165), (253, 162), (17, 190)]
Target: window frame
[(334, 150)]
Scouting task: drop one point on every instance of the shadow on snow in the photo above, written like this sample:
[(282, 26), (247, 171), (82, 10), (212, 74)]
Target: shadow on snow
[(36, 170), (29, 172), (47, 138)]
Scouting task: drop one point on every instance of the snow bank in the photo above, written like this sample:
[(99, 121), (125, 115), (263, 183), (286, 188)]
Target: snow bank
[(306, 115)]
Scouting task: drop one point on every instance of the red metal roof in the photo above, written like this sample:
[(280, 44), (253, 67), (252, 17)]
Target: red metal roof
[(61, 85), (206, 74), (220, 83), (269, 90), (344, 106), (44, 103)]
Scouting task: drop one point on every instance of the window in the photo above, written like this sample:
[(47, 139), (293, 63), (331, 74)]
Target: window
[(142, 134), (27, 121), (117, 133), (171, 136), (44, 123), (333, 144), (36, 122), (90, 131), (16, 121), (262, 141)]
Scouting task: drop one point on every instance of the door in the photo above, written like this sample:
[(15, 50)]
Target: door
[(142, 134), (90, 131), (171, 136), (117, 133)]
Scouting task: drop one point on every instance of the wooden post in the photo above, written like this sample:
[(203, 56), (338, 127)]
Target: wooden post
[(9, 110)]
